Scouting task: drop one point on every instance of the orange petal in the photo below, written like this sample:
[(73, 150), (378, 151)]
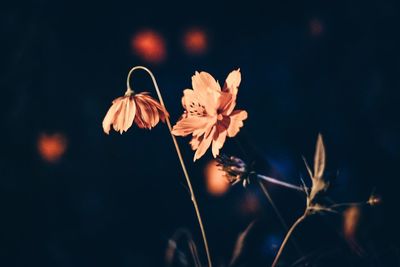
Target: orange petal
[(236, 121), (110, 116), (207, 91), (204, 80), (218, 140), (231, 86), (120, 116), (204, 144), (130, 113), (188, 98), (195, 142), (192, 103), (146, 113), (151, 110), (227, 103), (162, 112), (189, 125), (138, 118), (232, 82)]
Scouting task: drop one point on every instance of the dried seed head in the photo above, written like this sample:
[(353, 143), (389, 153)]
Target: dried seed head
[(374, 200), (235, 169)]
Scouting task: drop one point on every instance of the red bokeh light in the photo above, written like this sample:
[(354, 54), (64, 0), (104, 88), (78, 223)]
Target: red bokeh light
[(195, 41), (51, 147), (249, 204), (316, 27), (216, 182), (149, 45)]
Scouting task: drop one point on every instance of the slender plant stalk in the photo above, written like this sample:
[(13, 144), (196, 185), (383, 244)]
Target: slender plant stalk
[(348, 204), (278, 214), (178, 151), (277, 182), (288, 234)]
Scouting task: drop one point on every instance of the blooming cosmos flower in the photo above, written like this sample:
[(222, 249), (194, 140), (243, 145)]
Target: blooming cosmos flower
[(141, 108), (209, 112)]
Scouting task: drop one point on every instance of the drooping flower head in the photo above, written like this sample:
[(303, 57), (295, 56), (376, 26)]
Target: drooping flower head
[(140, 108), (209, 112)]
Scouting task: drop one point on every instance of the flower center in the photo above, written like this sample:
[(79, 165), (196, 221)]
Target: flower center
[(220, 117)]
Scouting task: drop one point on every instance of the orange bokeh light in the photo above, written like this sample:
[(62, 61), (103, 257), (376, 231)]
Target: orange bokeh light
[(216, 182), (351, 221), (51, 147), (195, 41), (149, 45)]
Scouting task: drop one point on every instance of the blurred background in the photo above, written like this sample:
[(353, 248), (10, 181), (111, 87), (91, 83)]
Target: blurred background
[(72, 196)]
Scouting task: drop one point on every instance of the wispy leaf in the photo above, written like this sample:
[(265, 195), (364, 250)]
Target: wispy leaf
[(319, 158), (319, 184), (173, 251), (308, 168), (240, 242)]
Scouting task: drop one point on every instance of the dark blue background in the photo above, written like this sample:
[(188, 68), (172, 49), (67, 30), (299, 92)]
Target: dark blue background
[(115, 200)]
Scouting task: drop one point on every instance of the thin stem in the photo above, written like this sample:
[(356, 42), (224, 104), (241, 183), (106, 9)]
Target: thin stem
[(278, 214), (277, 182), (288, 234), (348, 204), (178, 151)]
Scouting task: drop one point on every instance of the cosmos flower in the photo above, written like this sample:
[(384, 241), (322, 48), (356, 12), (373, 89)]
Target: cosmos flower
[(140, 108), (209, 112)]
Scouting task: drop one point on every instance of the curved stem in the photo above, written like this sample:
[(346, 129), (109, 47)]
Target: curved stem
[(288, 234), (278, 214), (178, 151)]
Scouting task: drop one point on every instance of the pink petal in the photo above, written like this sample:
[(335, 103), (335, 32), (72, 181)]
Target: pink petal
[(218, 139), (236, 121), (204, 144)]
